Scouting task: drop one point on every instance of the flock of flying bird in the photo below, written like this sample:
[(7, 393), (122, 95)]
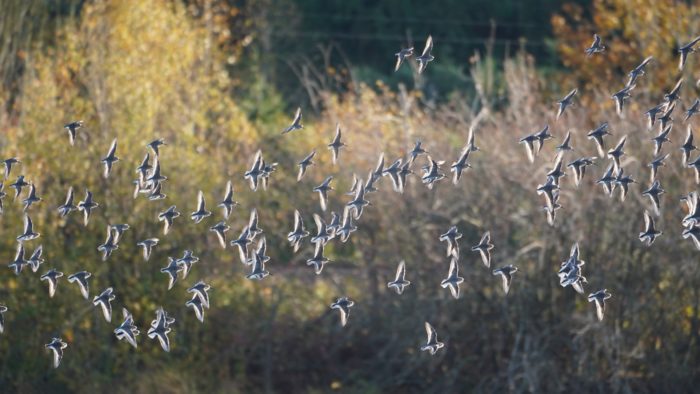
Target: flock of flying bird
[(251, 242)]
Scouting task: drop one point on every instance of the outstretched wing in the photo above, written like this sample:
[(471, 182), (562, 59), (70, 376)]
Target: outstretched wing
[(112, 148), (401, 271), (428, 46), (200, 201), (431, 333), (648, 221), (600, 308)]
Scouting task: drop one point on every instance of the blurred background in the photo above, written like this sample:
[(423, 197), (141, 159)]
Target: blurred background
[(219, 79)]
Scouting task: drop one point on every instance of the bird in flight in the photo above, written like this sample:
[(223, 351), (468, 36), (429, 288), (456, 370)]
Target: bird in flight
[(425, 57), (599, 298), (484, 248), (305, 163), (596, 46), (296, 123), (72, 129), (336, 144), (650, 233), (686, 49), (56, 346), (343, 304), (110, 159), (104, 301), (51, 277), (81, 278), (453, 279), (402, 55), (127, 330), (399, 283), (564, 103), (432, 344), (507, 275)]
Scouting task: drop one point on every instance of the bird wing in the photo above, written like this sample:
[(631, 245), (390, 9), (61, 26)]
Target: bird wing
[(257, 161), (600, 308), (319, 223), (56, 355), (574, 254), (338, 134), (380, 164), (648, 221), (242, 253), (166, 226), (322, 198), (428, 46), (399, 60), (530, 151), (454, 269), (229, 191), (112, 148), (37, 253), (401, 271), (619, 103), (645, 62), (106, 309), (297, 117), (253, 222), (430, 332), (454, 289), (485, 257), (506, 281), (621, 144), (298, 224), (52, 285), (343, 316), (164, 341), (200, 202), (309, 156), (677, 87), (19, 256), (486, 238), (69, 197), (28, 226), (222, 238), (84, 288)]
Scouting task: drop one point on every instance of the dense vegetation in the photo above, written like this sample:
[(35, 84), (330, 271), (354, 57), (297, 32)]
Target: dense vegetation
[(199, 74)]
